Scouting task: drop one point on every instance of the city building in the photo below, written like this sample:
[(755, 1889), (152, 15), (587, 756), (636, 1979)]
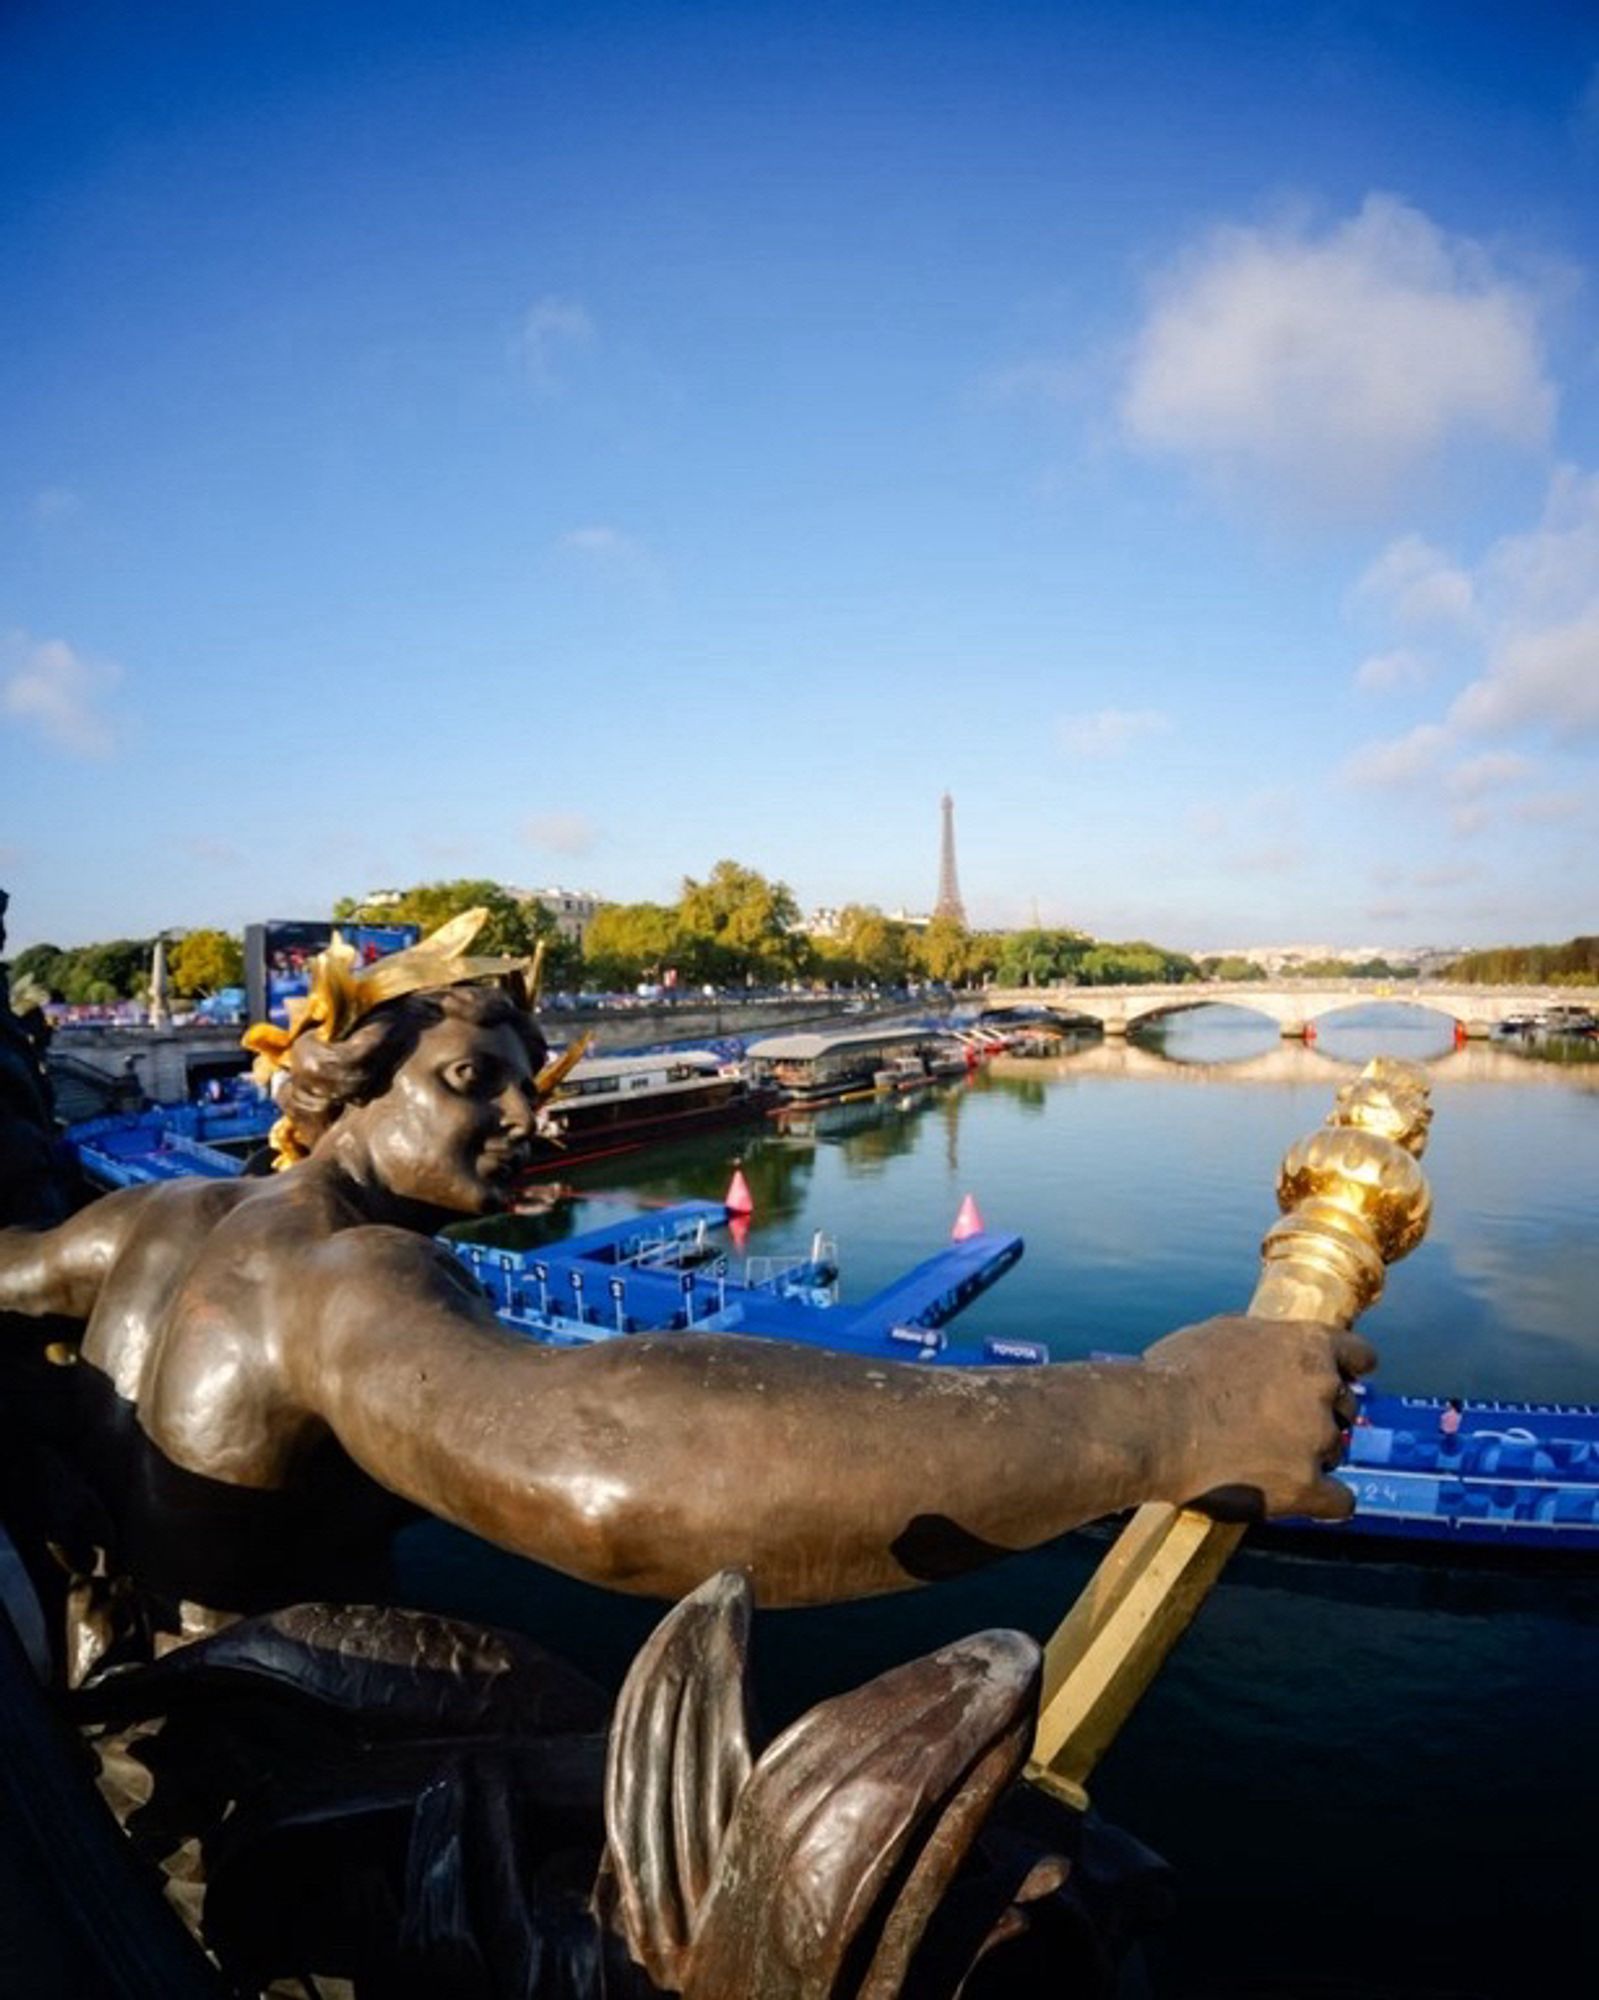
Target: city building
[(573, 909), (1282, 961), (827, 921)]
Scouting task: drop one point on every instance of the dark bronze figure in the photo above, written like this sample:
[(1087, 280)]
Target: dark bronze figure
[(248, 1323), (272, 1364), (36, 1184), (824, 1867)]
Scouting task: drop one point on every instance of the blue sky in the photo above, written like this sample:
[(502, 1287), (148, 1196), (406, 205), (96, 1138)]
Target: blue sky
[(574, 444)]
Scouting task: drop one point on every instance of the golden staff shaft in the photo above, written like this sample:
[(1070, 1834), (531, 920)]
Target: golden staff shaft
[(1353, 1201)]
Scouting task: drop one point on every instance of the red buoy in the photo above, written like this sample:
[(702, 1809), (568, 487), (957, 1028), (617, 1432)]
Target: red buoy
[(738, 1200), (968, 1222)]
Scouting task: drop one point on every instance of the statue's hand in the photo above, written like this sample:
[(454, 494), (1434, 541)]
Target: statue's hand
[(1262, 1408)]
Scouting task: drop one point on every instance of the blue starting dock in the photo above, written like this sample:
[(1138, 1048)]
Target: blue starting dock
[(169, 1141), (665, 1272)]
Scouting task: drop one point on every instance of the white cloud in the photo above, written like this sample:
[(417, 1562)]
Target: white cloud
[(1549, 808), (1283, 857), (1397, 760), (1548, 677), (1520, 628), (49, 687), (1391, 673), (611, 552), (1207, 822), (55, 503), (562, 832), (551, 329), (1488, 773), (1418, 585), (1541, 594), (1110, 732), (599, 540), (1336, 362), (210, 852), (1552, 571)]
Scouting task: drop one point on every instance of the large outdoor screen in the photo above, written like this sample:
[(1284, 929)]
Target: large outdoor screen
[(278, 955)]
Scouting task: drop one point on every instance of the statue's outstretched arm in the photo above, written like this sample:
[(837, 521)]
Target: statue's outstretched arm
[(61, 1270), (644, 1463)]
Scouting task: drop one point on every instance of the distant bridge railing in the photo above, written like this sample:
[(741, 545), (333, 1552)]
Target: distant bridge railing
[(1296, 1005)]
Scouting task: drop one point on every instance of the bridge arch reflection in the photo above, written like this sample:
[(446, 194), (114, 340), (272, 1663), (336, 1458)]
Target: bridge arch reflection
[(1294, 1005)]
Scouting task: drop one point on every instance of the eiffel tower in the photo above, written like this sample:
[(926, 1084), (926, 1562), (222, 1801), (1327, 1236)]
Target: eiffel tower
[(949, 902)]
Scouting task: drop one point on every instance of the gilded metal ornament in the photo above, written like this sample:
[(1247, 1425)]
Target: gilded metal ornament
[(1354, 1201)]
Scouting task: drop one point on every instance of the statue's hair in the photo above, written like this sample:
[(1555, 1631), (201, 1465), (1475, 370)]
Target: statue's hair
[(322, 1079)]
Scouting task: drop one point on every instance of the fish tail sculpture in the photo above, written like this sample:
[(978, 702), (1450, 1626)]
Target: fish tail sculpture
[(812, 1870)]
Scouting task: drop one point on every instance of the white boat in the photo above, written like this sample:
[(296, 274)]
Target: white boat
[(808, 1067)]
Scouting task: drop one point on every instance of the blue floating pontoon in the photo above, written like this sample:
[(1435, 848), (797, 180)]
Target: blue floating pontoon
[(210, 1137), (1515, 1475), (663, 1273)]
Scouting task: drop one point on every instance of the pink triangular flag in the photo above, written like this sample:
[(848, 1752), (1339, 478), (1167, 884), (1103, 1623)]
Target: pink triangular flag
[(969, 1222)]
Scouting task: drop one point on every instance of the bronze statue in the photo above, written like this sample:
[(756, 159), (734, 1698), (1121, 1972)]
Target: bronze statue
[(36, 1184), (270, 1364), (250, 1323)]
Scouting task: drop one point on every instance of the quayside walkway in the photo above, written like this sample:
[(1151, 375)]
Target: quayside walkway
[(1297, 1006)]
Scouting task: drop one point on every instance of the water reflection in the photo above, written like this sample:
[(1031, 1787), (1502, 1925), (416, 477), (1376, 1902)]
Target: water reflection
[(1368, 1710), (1224, 1033), (1143, 1207)]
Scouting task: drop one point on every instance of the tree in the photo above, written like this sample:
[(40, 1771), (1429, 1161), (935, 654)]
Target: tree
[(982, 956), (1041, 958), (513, 929), (627, 942), (876, 945), (39, 965), (117, 970), (1136, 964), (1573, 964), (205, 961), (944, 951), (737, 925), (516, 925)]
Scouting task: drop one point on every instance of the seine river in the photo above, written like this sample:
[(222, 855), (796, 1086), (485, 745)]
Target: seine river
[(1377, 1770)]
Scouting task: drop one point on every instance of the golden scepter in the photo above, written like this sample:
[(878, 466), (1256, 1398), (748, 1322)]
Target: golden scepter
[(1353, 1201)]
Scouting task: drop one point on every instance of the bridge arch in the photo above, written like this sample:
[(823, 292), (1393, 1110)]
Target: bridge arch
[(1196, 1002), (1327, 1013), (1294, 1005)]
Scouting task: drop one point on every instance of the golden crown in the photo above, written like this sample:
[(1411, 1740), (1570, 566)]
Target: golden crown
[(342, 992)]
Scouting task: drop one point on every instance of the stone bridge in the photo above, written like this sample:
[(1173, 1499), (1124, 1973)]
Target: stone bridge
[(1297, 1006)]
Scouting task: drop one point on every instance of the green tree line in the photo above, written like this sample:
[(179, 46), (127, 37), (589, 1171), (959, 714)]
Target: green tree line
[(737, 926), (1573, 964), (118, 969), (199, 962), (734, 927)]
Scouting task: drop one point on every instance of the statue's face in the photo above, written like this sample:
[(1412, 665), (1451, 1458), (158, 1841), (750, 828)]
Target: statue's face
[(452, 1130)]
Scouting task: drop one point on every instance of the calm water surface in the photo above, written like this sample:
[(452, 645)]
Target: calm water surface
[(1351, 1766)]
